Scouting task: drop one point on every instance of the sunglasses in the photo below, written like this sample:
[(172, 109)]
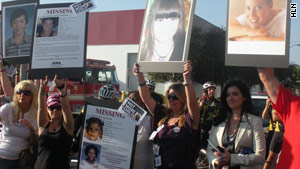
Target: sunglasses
[(25, 92), (57, 107), (172, 96)]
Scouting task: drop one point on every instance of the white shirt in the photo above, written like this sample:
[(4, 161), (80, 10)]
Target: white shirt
[(86, 165), (143, 157), (14, 136)]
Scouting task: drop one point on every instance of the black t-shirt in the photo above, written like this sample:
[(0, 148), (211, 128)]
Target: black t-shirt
[(54, 149)]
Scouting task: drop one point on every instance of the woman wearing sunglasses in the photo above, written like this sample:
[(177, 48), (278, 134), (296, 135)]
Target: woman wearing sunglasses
[(55, 124), (176, 124), (18, 119)]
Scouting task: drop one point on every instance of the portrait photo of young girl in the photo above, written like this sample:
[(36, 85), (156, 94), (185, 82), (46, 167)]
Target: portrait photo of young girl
[(165, 27), (93, 130)]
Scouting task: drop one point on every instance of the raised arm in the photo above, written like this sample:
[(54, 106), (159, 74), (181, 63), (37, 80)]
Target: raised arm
[(68, 121), (270, 82), (42, 115), (192, 105), (5, 81), (265, 112), (143, 90)]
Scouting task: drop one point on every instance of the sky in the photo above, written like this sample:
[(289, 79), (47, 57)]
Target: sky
[(214, 11)]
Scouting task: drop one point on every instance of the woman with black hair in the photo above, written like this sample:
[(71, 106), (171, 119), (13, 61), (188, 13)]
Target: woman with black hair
[(91, 152), (237, 139)]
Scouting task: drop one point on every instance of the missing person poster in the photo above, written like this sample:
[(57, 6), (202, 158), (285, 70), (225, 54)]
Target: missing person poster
[(59, 42), (258, 33), (132, 110), (165, 37), (18, 18), (108, 138)]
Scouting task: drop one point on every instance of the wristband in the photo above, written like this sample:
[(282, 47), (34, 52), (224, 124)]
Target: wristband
[(2, 70), (60, 87), (62, 96), (142, 84)]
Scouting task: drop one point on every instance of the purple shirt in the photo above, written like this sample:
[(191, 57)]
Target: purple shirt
[(177, 144)]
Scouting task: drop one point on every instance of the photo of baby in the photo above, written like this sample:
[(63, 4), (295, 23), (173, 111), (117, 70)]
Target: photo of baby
[(93, 130)]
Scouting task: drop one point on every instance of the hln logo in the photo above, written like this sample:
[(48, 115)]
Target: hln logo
[(293, 8)]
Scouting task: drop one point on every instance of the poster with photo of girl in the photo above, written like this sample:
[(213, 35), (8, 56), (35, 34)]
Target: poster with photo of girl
[(90, 157), (164, 41)]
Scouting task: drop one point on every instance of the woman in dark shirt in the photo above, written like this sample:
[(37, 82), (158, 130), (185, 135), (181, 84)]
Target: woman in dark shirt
[(176, 123), (55, 133)]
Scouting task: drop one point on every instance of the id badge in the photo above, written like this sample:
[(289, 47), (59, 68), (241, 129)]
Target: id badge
[(157, 161), (160, 127), (156, 149)]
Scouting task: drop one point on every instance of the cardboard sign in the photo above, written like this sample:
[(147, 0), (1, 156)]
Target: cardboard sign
[(132, 110), (83, 6)]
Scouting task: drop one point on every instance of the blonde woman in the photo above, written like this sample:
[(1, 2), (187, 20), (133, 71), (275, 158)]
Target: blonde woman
[(19, 123), (176, 124)]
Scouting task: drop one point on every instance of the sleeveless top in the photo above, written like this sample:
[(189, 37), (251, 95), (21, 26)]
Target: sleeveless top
[(54, 149), (177, 144)]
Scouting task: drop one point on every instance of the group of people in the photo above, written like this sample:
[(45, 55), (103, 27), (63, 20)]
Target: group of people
[(230, 130), (32, 118), (235, 134)]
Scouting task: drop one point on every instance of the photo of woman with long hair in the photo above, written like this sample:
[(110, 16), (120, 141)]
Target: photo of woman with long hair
[(164, 32)]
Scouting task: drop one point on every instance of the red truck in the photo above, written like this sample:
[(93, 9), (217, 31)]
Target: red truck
[(98, 73)]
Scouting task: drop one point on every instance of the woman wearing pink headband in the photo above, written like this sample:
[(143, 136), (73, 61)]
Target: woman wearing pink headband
[(55, 123)]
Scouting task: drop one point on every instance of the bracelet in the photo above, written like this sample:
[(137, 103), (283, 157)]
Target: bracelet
[(60, 87), (2, 70), (142, 84), (62, 96)]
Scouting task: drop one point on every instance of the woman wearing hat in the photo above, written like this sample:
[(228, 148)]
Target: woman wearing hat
[(55, 124)]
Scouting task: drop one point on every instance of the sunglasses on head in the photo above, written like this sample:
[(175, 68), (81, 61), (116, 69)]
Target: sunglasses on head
[(57, 107), (25, 92), (172, 96)]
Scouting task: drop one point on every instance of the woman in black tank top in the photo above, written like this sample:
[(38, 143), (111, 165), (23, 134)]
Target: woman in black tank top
[(55, 132)]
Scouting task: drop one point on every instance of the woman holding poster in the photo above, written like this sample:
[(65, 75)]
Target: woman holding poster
[(260, 21), (165, 32), (176, 124), (55, 123)]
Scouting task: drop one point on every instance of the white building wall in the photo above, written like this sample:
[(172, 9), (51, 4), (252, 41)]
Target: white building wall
[(117, 55)]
